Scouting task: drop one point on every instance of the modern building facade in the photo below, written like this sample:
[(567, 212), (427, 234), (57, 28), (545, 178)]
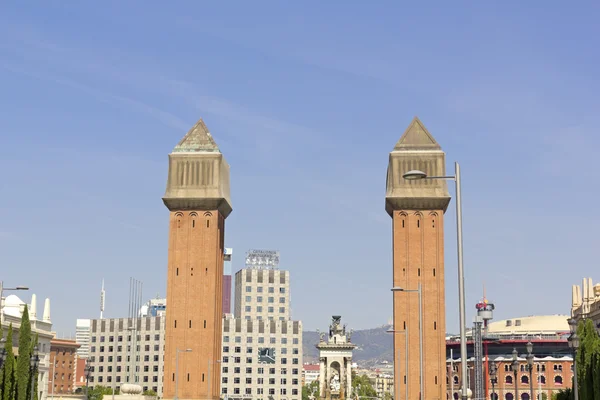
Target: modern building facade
[(227, 281), (63, 366), (310, 373), (198, 200), (552, 358), (417, 209), (154, 307), (262, 346), (124, 350), (82, 337), (262, 294)]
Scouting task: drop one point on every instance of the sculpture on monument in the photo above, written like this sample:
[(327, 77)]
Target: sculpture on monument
[(335, 355)]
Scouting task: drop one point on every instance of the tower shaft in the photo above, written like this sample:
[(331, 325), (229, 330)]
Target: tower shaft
[(417, 210), (197, 196)]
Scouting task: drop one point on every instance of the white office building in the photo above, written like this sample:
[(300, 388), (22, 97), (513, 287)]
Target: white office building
[(262, 346), (82, 337)]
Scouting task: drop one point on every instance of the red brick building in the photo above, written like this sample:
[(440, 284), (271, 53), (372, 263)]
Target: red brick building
[(63, 361), (553, 360)]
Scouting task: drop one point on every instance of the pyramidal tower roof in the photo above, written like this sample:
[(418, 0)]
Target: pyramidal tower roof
[(417, 137), (198, 139)]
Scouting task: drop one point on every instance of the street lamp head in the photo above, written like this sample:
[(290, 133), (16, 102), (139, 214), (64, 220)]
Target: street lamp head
[(515, 355), (572, 324), (21, 288), (574, 341), (397, 289), (188, 350), (493, 369), (414, 175), (34, 357), (529, 347)]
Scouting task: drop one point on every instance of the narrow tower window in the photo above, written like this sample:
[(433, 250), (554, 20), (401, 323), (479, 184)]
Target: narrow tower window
[(419, 271), (204, 323), (206, 271), (418, 223), (173, 376), (207, 223), (177, 271), (188, 376), (434, 272), (433, 223), (193, 223), (202, 377), (435, 327), (404, 325), (190, 323), (175, 323), (403, 223), (436, 379), (404, 271), (192, 271)]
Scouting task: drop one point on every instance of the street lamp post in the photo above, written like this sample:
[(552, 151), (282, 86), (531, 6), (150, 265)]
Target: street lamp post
[(87, 370), (414, 175), (177, 351), (34, 360), (574, 345), (530, 368), (419, 291), (515, 368), (405, 360), (493, 378), (2, 289)]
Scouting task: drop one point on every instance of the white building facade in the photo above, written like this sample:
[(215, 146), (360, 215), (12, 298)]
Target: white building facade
[(122, 351), (82, 337), (12, 311), (262, 346)]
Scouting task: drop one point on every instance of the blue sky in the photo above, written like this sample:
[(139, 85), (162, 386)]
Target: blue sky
[(306, 100)]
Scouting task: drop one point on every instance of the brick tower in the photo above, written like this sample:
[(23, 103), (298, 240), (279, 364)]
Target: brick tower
[(417, 209), (198, 199)]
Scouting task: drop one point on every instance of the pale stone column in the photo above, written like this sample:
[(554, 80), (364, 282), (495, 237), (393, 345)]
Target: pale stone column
[(348, 367), (322, 373)]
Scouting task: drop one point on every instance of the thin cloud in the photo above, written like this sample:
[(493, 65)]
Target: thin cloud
[(109, 98)]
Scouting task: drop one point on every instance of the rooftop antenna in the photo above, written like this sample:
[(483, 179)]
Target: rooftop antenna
[(102, 296)]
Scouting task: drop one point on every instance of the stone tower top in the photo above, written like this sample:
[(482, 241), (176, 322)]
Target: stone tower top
[(198, 174), (416, 150), (198, 139), (416, 137)]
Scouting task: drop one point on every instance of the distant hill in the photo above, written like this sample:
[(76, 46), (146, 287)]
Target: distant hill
[(374, 345)]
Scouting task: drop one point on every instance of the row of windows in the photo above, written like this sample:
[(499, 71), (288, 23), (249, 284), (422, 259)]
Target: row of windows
[(259, 317), (260, 370), (119, 358), (238, 349), (238, 339), (259, 299), (419, 223), (238, 360), (260, 381), (101, 349), (259, 391), (260, 309), (111, 339), (260, 289), (100, 379), (523, 367)]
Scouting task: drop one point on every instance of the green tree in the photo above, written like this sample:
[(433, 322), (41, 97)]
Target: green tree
[(8, 384), (148, 393), (98, 392), (362, 386), (308, 390), (22, 374)]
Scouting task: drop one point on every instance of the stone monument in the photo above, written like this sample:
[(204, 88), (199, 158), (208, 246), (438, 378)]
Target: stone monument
[(335, 356)]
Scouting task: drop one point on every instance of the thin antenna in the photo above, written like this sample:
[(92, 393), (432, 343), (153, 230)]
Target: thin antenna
[(102, 297)]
